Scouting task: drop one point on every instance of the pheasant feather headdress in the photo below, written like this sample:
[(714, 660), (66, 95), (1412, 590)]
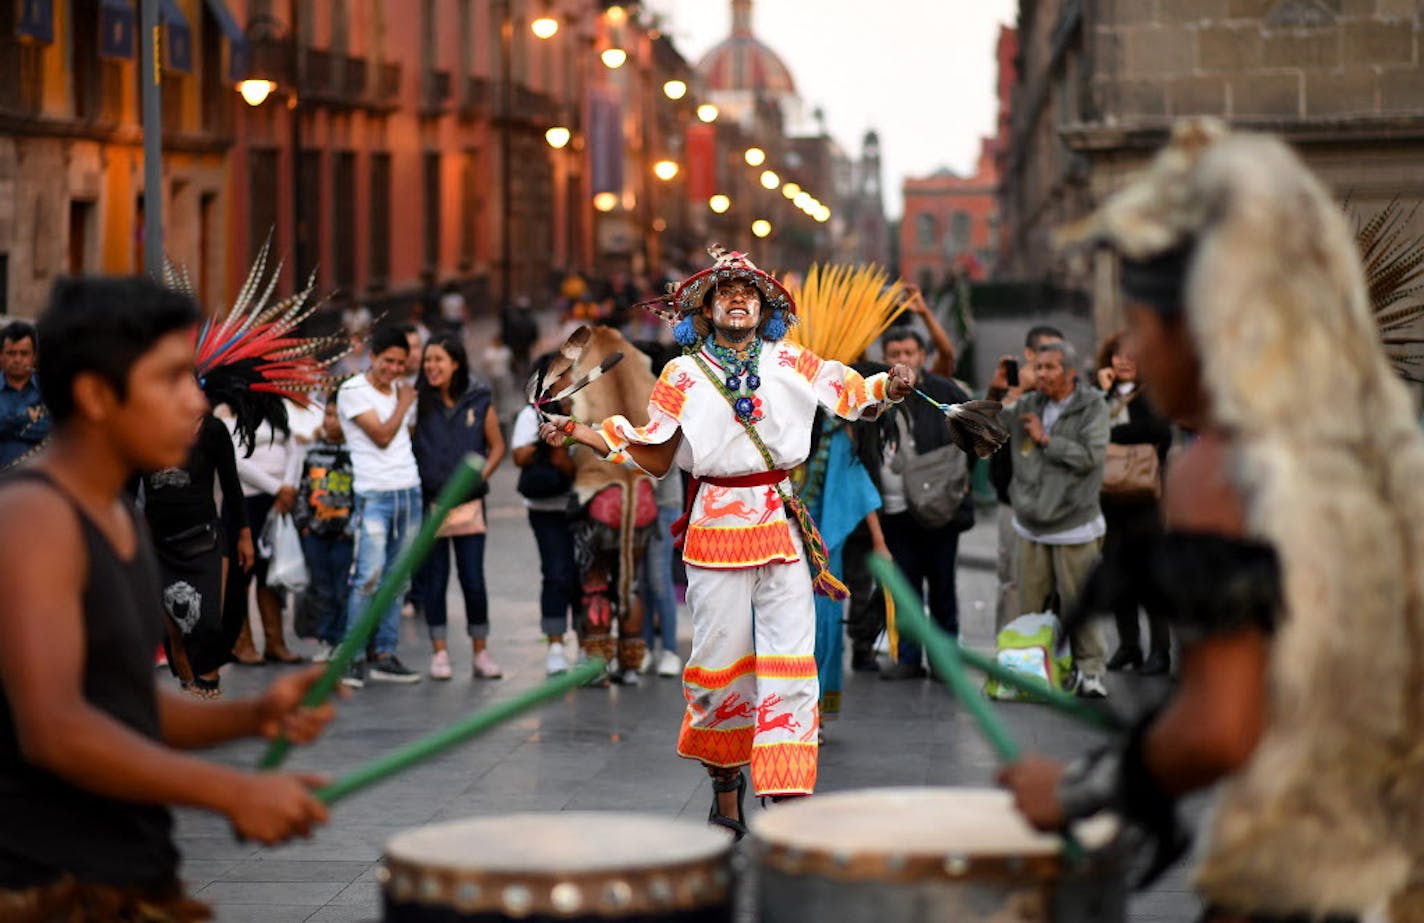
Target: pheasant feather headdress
[(252, 357)]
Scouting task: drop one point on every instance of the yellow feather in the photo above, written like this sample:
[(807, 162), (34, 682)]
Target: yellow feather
[(843, 309)]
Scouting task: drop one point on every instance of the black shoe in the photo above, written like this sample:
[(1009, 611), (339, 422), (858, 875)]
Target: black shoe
[(715, 817), (355, 675), (864, 662), (388, 669), (1126, 658), (903, 671), (1156, 664)]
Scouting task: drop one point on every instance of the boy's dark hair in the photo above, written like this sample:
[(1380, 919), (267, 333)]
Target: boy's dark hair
[(1040, 332), (104, 325), (389, 335), (15, 331), (902, 332)]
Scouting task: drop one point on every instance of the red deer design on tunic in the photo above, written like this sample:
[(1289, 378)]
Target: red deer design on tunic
[(769, 722), (714, 508), (731, 707)]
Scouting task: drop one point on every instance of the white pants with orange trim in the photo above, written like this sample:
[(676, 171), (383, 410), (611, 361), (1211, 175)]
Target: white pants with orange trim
[(751, 683)]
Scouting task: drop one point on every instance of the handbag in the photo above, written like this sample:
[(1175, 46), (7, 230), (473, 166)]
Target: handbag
[(936, 483), (1132, 472), (541, 479), (465, 519), (191, 543)]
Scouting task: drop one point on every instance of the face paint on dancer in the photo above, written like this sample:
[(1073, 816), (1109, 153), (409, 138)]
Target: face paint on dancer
[(735, 311)]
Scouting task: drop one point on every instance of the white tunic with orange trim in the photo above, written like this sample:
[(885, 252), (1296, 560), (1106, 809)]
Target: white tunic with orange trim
[(736, 527)]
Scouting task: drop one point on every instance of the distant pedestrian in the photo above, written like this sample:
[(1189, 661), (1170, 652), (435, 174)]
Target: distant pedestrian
[(377, 413), (323, 513), (546, 483), (24, 421), (923, 478), (1060, 437), (455, 417), (519, 331), (659, 594), (1134, 520)]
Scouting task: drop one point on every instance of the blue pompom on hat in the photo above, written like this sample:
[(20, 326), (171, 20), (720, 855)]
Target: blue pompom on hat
[(775, 327), (684, 332)]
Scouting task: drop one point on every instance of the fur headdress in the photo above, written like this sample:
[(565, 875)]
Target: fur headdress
[(1330, 462), (682, 305), (251, 356)]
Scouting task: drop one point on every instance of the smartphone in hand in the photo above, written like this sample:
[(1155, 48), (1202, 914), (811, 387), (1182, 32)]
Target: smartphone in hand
[(1011, 372)]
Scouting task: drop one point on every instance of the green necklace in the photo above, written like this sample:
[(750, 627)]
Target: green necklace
[(741, 369)]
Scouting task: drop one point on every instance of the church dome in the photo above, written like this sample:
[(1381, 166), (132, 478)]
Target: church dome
[(742, 63)]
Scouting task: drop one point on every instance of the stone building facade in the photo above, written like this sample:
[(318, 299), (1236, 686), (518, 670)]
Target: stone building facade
[(1101, 81)]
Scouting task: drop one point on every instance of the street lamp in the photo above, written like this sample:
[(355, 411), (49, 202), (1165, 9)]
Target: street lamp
[(255, 92), (761, 227), (558, 137), (675, 89), (769, 179), (665, 170), (802, 200), (755, 156), (791, 190), (614, 58), (544, 27), (707, 112), (617, 15), (823, 214), (605, 201), (719, 203)]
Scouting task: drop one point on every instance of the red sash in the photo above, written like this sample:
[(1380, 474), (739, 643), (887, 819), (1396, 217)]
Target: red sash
[(755, 479)]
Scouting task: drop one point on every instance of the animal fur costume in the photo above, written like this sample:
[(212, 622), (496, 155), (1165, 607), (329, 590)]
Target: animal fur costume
[(621, 549), (1329, 459)]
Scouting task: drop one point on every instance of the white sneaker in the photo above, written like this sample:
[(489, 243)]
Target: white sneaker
[(646, 666), (440, 665), (485, 667), (669, 664), (627, 677), (556, 661), (323, 652), (1091, 687)]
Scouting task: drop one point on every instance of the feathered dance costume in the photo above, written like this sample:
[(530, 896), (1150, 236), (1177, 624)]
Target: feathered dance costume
[(1329, 459), (251, 356)]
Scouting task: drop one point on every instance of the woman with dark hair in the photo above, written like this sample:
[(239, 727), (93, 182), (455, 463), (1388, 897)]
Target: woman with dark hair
[(455, 416), (1133, 518)]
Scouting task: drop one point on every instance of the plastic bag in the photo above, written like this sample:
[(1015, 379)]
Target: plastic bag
[(282, 546), (1026, 646)]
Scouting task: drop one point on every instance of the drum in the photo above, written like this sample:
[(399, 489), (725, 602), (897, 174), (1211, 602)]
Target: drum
[(929, 855), (559, 866)]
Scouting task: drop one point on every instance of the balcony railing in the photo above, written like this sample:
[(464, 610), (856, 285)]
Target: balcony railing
[(435, 91)]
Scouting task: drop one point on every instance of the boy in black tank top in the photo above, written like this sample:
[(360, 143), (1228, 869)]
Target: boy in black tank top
[(91, 750)]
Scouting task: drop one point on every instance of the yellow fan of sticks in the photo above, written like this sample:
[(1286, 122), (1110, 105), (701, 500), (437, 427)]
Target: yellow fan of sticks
[(842, 309)]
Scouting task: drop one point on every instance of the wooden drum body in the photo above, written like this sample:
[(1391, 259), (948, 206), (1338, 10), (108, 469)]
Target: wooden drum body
[(929, 855), (562, 867)]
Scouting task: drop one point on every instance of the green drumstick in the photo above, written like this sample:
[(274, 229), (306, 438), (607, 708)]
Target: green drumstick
[(944, 655), (459, 732), (457, 490)]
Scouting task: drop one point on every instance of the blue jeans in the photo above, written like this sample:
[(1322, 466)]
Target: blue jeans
[(329, 561), (434, 577), (559, 587), (386, 521), (658, 596)]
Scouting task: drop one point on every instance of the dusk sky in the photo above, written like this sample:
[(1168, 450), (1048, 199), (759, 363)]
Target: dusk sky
[(921, 72)]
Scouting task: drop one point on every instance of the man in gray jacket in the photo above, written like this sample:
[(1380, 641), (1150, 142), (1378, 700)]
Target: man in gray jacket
[(1059, 442)]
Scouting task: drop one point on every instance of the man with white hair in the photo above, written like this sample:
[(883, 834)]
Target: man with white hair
[(1059, 436)]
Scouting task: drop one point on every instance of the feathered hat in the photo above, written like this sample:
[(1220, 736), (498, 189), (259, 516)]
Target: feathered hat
[(682, 305), (251, 357)]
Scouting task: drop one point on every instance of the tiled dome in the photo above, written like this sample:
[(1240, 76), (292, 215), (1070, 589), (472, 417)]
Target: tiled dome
[(744, 63)]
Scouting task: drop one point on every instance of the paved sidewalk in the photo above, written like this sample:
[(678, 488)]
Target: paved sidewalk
[(595, 749)]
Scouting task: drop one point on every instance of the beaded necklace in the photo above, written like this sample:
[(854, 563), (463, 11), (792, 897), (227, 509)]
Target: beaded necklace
[(741, 368)]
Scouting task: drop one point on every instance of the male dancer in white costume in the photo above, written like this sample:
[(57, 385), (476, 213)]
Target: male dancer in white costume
[(735, 411)]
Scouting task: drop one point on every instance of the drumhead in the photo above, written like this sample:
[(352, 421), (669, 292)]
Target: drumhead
[(909, 823), (561, 844)]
